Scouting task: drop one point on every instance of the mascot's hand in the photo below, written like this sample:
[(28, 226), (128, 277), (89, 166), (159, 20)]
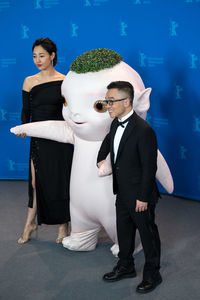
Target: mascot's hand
[(163, 174), (106, 168), (18, 131)]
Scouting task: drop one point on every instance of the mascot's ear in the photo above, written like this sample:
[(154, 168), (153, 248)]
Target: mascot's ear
[(141, 101)]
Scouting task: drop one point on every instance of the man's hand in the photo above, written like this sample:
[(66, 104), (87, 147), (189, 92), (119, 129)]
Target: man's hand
[(100, 163), (141, 206)]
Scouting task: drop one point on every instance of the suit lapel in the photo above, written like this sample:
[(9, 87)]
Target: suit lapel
[(131, 124), (112, 135)]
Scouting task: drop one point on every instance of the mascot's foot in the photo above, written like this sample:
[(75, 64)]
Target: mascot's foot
[(82, 241), (115, 249)]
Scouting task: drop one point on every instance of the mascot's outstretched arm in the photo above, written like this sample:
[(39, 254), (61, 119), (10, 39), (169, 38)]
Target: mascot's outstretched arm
[(53, 130)]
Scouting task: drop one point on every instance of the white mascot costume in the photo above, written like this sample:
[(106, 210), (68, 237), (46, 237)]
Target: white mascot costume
[(92, 203)]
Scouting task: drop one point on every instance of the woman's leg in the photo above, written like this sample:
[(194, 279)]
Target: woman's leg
[(62, 232), (30, 224)]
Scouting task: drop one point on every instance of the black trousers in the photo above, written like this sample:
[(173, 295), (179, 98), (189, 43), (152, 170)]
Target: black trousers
[(128, 220)]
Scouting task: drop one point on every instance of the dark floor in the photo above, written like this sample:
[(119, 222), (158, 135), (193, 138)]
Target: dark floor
[(43, 270)]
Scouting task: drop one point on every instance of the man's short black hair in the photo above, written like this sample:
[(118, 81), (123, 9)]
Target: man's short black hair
[(124, 86)]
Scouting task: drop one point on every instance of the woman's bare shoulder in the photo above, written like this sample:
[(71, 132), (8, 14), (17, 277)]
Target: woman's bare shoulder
[(29, 82), (60, 76)]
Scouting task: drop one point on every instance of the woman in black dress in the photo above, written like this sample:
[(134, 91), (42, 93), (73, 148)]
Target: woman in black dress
[(50, 161)]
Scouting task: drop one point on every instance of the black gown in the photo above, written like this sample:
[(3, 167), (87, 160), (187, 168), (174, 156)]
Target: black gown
[(52, 160)]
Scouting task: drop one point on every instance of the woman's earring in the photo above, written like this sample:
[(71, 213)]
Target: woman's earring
[(52, 62)]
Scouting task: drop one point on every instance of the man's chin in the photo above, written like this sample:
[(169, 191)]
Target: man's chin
[(111, 114)]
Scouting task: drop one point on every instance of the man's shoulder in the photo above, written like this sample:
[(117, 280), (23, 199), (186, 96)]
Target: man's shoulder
[(141, 121), (143, 124)]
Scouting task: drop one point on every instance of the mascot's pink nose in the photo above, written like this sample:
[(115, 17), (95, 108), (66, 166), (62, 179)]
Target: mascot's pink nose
[(76, 114)]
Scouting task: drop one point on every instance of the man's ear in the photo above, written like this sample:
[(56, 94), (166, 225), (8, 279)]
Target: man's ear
[(127, 102), (141, 102)]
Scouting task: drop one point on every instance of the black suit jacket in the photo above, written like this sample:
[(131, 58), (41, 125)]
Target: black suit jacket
[(136, 163)]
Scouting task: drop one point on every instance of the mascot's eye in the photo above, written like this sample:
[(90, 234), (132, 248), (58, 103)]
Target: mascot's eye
[(65, 104), (99, 106)]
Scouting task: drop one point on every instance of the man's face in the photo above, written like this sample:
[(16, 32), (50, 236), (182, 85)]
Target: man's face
[(116, 109)]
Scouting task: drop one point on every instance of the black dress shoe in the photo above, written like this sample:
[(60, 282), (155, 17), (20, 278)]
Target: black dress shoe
[(147, 286), (119, 272)]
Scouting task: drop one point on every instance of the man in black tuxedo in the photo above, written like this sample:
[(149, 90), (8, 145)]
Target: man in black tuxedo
[(133, 148)]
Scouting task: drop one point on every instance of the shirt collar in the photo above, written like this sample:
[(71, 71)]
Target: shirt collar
[(126, 116)]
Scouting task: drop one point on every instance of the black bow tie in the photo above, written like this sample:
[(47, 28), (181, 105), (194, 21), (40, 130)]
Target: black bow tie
[(125, 121)]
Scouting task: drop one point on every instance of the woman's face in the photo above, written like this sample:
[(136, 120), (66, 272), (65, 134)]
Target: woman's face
[(41, 58)]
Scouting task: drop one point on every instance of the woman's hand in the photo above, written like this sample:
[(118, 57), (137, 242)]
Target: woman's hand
[(23, 135)]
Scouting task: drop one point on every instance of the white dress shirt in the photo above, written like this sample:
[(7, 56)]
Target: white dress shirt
[(119, 133)]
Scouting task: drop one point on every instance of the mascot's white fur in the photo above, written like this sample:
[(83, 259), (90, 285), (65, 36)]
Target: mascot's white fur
[(92, 203)]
